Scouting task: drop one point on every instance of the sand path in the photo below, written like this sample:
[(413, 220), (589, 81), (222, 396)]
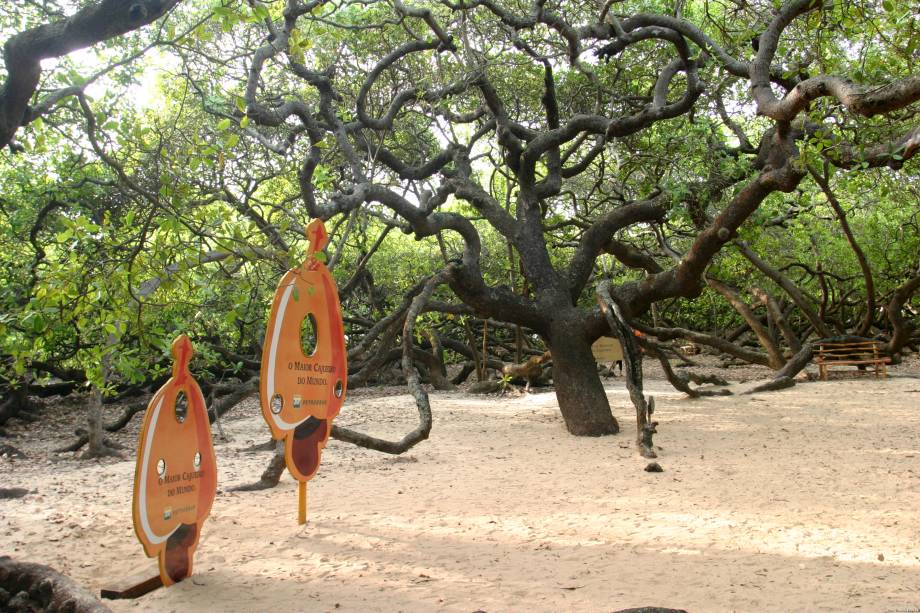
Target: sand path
[(804, 499)]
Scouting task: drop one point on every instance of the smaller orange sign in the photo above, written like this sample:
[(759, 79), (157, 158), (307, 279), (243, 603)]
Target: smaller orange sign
[(175, 479)]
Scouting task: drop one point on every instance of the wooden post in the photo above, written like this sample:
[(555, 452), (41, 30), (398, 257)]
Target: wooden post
[(135, 586), (302, 508)]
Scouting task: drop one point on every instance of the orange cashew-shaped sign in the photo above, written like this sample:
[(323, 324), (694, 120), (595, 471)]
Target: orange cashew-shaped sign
[(300, 393), (176, 475)]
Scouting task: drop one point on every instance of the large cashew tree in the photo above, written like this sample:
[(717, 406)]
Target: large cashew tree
[(582, 138), (569, 129)]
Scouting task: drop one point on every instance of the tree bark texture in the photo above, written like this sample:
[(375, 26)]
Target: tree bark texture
[(46, 589), (632, 357), (579, 390), (902, 329)]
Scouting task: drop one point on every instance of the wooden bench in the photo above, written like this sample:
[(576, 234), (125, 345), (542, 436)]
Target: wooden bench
[(851, 352)]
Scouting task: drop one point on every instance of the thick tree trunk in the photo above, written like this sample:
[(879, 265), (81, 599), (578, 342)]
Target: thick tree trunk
[(579, 390), (901, 327), (94, 423)]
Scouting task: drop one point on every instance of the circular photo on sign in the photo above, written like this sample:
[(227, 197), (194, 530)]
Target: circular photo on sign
[(161, 467), (277, 403), (339, 388), (197, 459)]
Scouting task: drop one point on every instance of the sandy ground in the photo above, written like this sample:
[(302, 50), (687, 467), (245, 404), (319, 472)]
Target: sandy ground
[(799, 500)]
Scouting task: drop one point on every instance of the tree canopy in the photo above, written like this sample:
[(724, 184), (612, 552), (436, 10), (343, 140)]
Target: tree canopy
[(741, 172)]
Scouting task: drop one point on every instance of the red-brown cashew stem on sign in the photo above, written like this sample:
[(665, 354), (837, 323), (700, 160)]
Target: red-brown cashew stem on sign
[(176, 475), (301, 394)]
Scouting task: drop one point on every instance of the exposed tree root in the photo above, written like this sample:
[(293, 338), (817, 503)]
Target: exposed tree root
[(779, 383), (466, 370), (492, 386), (107, 451), (12, 493), (268, 445), (701, 379), (681, 382), (10, 451), (110, 448), (270, 477), (650, 610), (35, 587), (130, 411)]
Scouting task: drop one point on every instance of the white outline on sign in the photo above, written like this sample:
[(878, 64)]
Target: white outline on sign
[(145, 524), (276, 336)]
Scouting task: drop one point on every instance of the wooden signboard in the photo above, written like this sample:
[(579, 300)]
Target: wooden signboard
[(301, 393), (607, 349), (176, 475)]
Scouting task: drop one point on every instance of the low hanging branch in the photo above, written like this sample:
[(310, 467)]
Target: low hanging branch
[(25, 51), (700, 338), (421, 432), (645, 407), (785, 377), (682, 382)]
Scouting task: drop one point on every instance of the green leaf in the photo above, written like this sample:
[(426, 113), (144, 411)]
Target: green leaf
[(224, 124)]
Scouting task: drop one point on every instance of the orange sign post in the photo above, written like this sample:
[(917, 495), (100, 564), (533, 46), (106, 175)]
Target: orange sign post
[(176, 475), (300, 393)]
